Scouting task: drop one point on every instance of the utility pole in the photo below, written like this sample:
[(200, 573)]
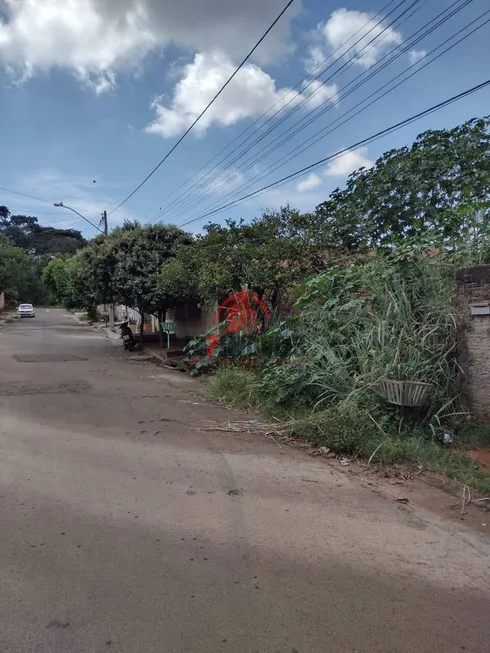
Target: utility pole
[(111, 306), (104, 221)]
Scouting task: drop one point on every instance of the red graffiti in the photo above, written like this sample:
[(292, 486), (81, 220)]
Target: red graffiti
[(242, 312)]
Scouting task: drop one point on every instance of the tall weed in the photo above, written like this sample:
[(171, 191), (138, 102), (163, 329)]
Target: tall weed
[(386, 319)]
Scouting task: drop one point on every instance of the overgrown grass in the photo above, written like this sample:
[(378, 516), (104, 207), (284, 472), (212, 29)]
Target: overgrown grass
[(349, 428), (390, 317), (345, 428), (474, 434), (244, 389), (386, 319), (236, 387)]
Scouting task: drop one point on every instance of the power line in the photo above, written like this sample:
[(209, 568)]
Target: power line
[(307, 120), (282, 107), (62, 220), (58, 225), (37, 213), (31, 197), (216, 178), (40, 199), (206, 108), (64, 206), (191, 203), (318, 135), (355, 146)]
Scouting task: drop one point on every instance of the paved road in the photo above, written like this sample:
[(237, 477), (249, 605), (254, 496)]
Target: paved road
[(125, 527)]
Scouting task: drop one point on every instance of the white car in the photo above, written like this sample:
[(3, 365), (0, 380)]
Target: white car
[(26, 310)]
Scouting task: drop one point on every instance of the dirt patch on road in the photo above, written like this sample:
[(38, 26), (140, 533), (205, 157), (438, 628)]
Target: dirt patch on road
[(26, 389), (47, 358), (6, 317)]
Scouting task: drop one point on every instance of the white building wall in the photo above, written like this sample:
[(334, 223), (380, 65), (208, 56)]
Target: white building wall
[(189, 319)]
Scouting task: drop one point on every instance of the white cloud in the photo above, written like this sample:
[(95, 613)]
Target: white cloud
[(103, 83), (224, 182), (343, 165), (309, 183), (416, 55), (251, 93), (96, 39), (316, 57), (319, 93), (348, 33)]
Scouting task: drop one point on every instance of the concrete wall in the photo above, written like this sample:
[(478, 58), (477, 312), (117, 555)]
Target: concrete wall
[(190, 320), (473, 288)]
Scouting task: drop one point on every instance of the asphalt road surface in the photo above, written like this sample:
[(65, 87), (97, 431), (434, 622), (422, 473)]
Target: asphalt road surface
[(127, 526)]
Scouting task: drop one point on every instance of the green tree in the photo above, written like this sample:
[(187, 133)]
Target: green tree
[(39, 244), (19, 278), (422, 188), (270, 255), (82, 290), (141, 253), (178, 280), (56, 279), (76, 282), (124, 266), (26, 232)]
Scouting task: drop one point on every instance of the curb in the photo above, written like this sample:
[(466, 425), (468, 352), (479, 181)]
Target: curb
[(165, 362), (110, 335), (113, 337), (159, 356)]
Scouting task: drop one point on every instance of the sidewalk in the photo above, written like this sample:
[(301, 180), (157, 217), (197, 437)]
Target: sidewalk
[(176, 348), (152, 347), (7, 316)]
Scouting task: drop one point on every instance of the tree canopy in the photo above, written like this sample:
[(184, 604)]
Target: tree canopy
[(26, 247), (268, 255), (435, 190), (422, 188), (126, 267), (26, 232), (140, 255), (19, 276)]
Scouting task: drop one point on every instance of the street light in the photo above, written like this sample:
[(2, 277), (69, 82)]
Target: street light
[(63, 206), (104, 217)]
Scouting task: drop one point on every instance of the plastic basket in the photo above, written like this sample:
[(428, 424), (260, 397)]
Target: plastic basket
[(406, 393)]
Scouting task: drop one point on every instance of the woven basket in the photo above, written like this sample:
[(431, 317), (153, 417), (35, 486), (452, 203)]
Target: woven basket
[(406, 393)]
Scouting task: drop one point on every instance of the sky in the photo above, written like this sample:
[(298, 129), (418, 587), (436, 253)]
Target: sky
[(94, 93)]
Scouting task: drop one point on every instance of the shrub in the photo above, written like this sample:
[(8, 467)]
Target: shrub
[(343, 428), (235, 386)]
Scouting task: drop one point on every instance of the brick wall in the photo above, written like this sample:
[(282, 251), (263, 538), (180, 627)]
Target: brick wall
[(473, 287)]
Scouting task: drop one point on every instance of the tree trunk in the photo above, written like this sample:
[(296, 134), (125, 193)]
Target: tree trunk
[(142, 329), (161, 318), (274, 297)]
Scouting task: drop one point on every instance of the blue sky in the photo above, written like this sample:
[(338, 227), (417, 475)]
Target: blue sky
[(100, 90)]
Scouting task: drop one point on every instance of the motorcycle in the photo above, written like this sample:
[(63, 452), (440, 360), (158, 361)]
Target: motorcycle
[(127, 336)]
